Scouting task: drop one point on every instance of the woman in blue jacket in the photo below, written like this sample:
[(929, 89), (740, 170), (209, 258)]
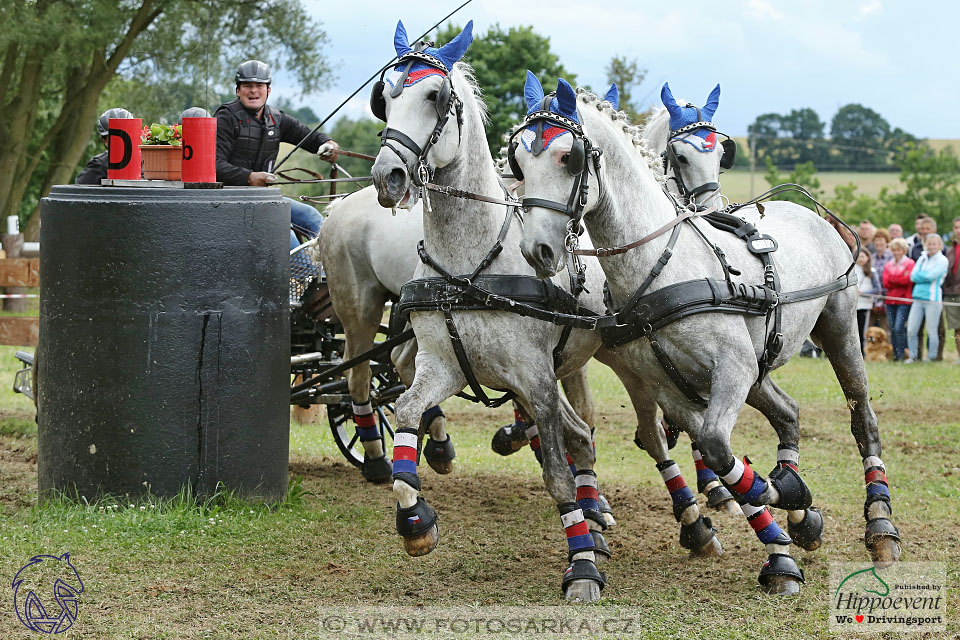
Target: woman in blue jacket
[(928, 275)]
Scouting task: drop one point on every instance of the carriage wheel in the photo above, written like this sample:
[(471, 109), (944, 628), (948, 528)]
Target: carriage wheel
[(344, 431)]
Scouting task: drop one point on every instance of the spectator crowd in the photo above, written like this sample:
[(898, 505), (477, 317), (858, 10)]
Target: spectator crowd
[(910, 286)]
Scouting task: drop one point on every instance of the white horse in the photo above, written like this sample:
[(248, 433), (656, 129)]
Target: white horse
[(439, 109), (704, 366)]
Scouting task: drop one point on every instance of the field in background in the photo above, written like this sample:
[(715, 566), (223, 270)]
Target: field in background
[(736, 184), (227, 569)]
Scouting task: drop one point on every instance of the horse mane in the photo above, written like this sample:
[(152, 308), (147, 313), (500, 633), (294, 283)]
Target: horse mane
[(632, 132), (465, 73)]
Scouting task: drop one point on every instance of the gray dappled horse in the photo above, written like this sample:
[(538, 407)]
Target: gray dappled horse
[(435, 121), (704, 366)]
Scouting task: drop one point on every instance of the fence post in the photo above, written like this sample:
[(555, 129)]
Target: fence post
[(13, 245)]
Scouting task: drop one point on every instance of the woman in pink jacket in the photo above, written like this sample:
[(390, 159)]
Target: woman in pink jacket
[(896, 280)]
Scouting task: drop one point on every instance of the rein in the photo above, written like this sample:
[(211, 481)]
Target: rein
[(602, 252)]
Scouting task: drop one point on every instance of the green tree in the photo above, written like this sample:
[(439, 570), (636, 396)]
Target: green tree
[(500, 59), (57, 63), (858, 134), (788, 140), (931, 183), (803, 174), (627, 75)]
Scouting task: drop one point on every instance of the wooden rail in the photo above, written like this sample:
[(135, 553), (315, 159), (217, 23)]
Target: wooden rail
[(19, 273)]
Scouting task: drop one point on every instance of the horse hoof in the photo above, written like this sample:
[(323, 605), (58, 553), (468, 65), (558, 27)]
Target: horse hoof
[(509, 438), (884, 551), (713, 549), (422, 544), (440, 455), (782, 586), (606, 511), (808, 533), (443, 467), (719, 498), (582, 591), (376, 470)]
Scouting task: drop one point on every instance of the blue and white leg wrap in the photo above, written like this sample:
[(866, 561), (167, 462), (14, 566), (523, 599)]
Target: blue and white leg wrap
[(743, 482), (875, 477), (588, 495), (366, 422)]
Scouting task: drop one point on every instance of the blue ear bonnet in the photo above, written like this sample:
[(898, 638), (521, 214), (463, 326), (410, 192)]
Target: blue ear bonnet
[(564, 103), (680, 116), (448, 54)]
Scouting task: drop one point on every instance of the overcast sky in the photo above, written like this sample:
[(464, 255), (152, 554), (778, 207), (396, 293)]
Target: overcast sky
[(900, 59)]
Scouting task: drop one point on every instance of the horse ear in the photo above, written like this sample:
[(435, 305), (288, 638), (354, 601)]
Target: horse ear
[(713, 101), (400, 41), (532, 92), (566, 99), (454, 50), (613, 96), (666, 97)]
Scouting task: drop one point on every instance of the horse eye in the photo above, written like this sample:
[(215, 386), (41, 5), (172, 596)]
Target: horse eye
[(433, 95), (565, 158), (683, 160)]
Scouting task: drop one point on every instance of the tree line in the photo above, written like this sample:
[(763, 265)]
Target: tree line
[(860, 140)]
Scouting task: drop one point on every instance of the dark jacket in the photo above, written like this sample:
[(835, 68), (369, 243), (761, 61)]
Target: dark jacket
[(95, 170), (246, 144), (951, 286)]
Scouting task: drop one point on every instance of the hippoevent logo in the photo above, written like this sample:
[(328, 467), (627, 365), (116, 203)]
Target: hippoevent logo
[(45, 593), (907, 596)]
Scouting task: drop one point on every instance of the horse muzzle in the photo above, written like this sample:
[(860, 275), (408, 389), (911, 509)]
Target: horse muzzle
[(392, 182), (541, 257)]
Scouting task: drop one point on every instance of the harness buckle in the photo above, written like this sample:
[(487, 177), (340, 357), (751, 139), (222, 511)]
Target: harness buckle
[(445, 307)]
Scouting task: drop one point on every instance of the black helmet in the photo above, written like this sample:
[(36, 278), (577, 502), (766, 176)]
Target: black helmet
[(253, 71), (194, 112), (103, 124)]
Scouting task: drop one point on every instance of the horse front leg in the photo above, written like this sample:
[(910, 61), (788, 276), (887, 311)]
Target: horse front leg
[(696, 531), (787, 490), (438, 449), (416, 519), (731, 381), (582, 582)]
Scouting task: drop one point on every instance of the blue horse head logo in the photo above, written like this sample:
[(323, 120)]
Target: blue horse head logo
[(33, 586)]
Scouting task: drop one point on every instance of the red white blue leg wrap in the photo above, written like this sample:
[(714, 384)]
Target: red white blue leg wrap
[(533, 435), (366, 422), (705, 474), (875, 477), (740, 479), (575, 526), (763, 524), (680, 493), (405, 452)]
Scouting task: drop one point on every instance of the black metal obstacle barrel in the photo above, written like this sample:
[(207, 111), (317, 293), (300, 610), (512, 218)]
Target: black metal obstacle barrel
[(164, 355)]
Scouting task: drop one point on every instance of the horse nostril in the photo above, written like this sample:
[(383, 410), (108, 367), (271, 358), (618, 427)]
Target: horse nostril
[(397, 179), (545, 255)]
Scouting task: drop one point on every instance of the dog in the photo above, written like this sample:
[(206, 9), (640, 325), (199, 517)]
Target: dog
[(878, 346)]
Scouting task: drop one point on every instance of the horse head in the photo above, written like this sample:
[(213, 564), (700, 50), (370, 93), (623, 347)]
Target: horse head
[(691, 151), (418, 101), (553, 157)]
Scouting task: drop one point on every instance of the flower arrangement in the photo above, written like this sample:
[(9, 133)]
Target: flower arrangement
[(165, 134)]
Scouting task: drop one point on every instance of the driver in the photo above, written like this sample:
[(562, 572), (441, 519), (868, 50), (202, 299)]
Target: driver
[(96, 167), (249, 133)]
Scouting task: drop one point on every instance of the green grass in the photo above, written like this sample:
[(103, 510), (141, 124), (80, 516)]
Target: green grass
[(173, 568)]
